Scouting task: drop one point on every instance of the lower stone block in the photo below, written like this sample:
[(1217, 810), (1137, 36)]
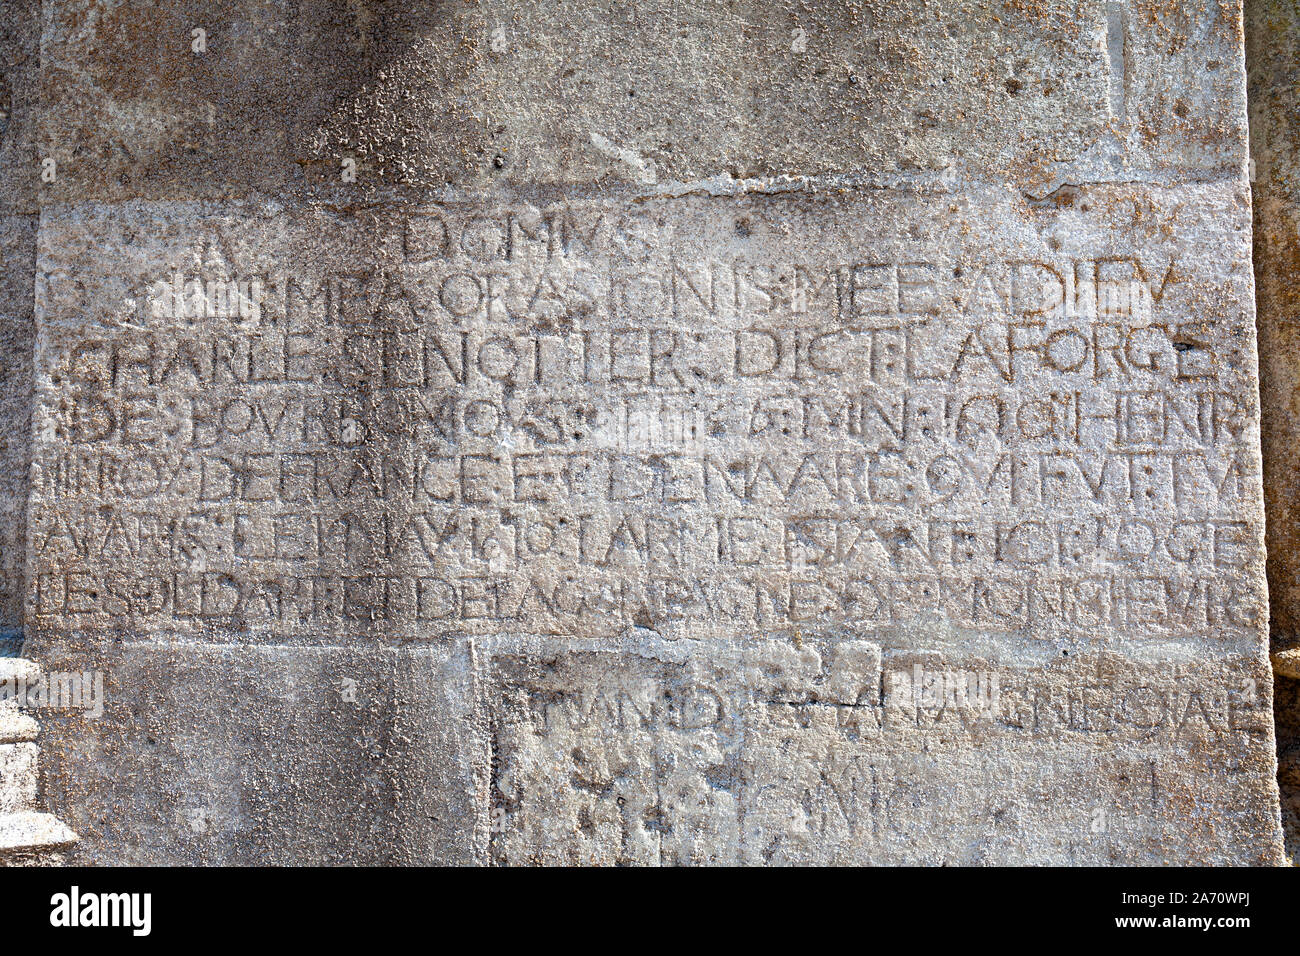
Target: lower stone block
[(267, 755), (760, 757)]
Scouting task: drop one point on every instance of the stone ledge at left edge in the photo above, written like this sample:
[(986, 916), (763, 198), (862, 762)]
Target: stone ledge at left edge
[(31, 838)]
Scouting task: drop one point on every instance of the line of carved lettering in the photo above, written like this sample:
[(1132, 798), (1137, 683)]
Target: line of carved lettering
[(665, 543), (883, 418), (1197, 481), (1146, 602), (644, 354)]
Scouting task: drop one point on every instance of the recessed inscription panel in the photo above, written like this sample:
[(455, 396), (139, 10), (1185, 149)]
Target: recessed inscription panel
[(888, 411)]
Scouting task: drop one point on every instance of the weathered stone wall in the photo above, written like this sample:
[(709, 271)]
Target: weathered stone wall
[(1274, 60), (650, 433)]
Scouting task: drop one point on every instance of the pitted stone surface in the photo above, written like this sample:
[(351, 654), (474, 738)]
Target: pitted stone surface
[(695, 444), (20, 32), (1275, 151), (17, 339)]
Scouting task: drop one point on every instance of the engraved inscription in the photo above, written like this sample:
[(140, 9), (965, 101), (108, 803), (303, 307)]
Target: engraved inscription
[(581, 418)]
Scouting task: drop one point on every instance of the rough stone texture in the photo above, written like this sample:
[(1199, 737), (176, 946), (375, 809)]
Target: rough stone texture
[(1275, 148), (17, 288), (17, 777), (20, 28), (506, 94), (730, 433), (28, 837), (20, 32)]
